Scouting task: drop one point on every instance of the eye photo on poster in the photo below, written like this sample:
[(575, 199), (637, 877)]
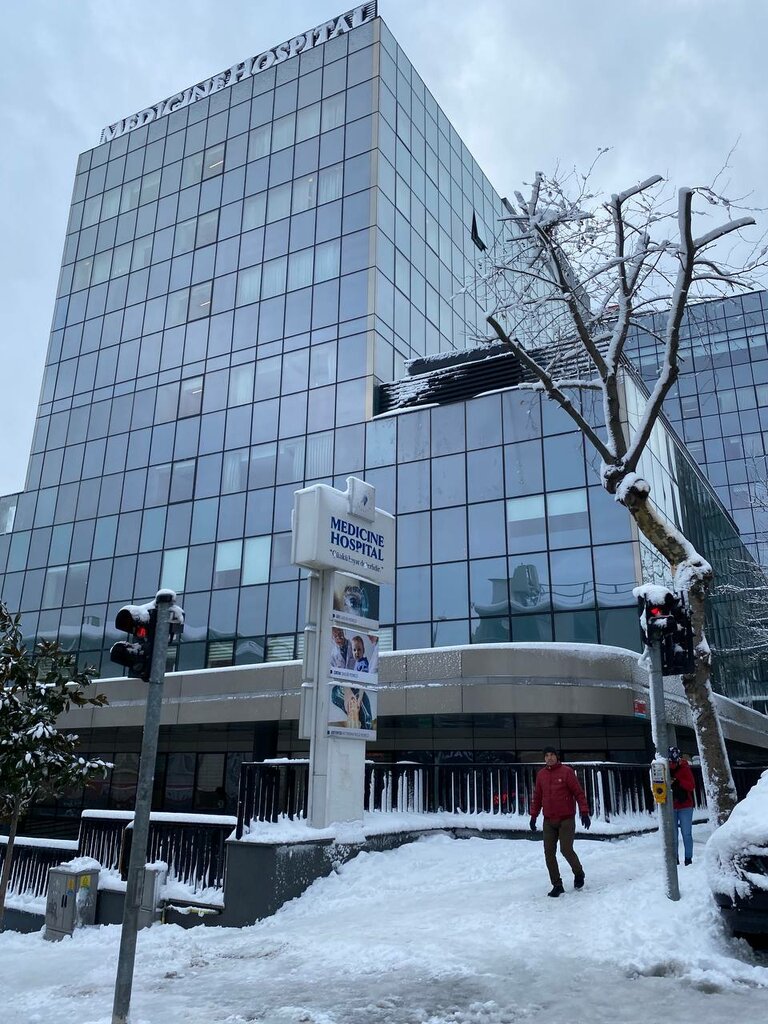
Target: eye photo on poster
[(355, 602), (352, 712), (354, 656)]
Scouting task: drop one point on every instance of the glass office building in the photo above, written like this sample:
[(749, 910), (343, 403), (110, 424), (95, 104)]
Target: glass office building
[(720, 403), (246, 267), (237, 276)]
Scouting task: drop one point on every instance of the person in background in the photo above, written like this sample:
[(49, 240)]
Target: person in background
[(341, 650), (683, 788), (558, 792), (358, 654)]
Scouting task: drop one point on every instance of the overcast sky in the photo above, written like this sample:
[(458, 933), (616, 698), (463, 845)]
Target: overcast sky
[(670, 85)]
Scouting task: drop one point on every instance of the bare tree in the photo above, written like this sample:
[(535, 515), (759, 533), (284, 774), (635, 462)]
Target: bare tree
[(572, 277)]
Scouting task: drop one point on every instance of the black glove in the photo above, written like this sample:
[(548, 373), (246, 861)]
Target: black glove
[(586, 821), (678, 793), (533, 824)]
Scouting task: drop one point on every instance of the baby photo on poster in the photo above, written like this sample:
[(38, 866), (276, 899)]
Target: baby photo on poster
[(355, 602), (354, 656), (352, 712)]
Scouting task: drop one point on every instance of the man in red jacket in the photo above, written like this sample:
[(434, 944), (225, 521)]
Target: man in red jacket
[(557, 792), (683, 787)]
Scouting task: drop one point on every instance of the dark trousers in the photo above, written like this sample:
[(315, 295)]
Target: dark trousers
[(562, 832)]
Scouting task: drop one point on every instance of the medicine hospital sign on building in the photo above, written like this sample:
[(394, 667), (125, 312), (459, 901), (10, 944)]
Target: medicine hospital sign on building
[(238, 72), (334, 529)]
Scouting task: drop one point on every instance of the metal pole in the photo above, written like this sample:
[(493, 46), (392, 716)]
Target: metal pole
[(659, 730), (134, 887)]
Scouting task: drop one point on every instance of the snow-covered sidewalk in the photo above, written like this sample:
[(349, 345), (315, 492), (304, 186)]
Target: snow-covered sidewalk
[(442, 931)]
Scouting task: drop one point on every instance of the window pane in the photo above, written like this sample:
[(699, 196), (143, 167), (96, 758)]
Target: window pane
[(207, 226), (200, 300), (259, 142), (273, 280), (53, 589), (529, 582), (333, 112), (329, 184), (241, 384), (176, 310), (256, 560), (174, 572), (191, 397), (304, 193), (567, 518), (213, 163), (572, 582), (279, 202), (283, 132), (300, 269), (254, 211), (308, 122), (183, 480), (248, 285), (226, 571), (150, 187), (525, 524), (234, 474), (327, 260), (192, 170)]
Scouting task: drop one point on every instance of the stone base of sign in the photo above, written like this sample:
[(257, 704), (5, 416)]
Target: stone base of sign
[(261, 877)]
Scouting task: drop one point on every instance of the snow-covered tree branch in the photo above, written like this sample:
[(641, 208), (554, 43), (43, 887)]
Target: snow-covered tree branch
[(574, 275)]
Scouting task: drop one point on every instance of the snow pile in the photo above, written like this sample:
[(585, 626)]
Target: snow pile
[(83, 864), (744, 835), (298, 830), (440, 931)]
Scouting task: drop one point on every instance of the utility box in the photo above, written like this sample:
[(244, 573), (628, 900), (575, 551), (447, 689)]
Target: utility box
[(71, 901), (154, 879)]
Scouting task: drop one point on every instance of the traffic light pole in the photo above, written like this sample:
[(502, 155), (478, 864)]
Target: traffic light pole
[(134, 888), (659, 729)]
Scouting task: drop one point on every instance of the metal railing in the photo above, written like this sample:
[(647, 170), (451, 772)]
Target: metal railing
[(101, 837), (193, 849), (270, 791), (30, 861), (194, 846)]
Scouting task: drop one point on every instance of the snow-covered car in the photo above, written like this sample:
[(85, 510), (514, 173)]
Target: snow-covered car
[(737, 866)]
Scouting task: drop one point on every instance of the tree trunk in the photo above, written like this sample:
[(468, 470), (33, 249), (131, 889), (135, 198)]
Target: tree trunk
[(718, 780), (6, 875)]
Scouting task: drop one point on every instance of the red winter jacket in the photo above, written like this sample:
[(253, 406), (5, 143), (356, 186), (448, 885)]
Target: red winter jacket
[(682, 781), (557, 792)]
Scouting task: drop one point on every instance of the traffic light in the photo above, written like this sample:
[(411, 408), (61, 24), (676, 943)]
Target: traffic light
[(135, 654), (670, 622)]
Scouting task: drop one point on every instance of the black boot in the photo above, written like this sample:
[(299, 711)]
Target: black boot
[(578, 881), (688, 860), (556, 890)]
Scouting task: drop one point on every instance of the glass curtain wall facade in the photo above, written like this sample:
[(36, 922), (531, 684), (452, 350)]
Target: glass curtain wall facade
[(720, 403), (236, 277)]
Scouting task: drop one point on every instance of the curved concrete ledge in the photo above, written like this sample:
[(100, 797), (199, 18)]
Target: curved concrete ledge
[(578, 679)]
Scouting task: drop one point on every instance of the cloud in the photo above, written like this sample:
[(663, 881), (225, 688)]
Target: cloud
[(668, 84)]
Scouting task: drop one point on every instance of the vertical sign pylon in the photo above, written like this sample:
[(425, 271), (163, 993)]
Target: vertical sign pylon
[(341, 537)]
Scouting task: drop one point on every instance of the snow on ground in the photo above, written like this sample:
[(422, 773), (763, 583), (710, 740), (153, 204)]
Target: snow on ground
[(441, 931)]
